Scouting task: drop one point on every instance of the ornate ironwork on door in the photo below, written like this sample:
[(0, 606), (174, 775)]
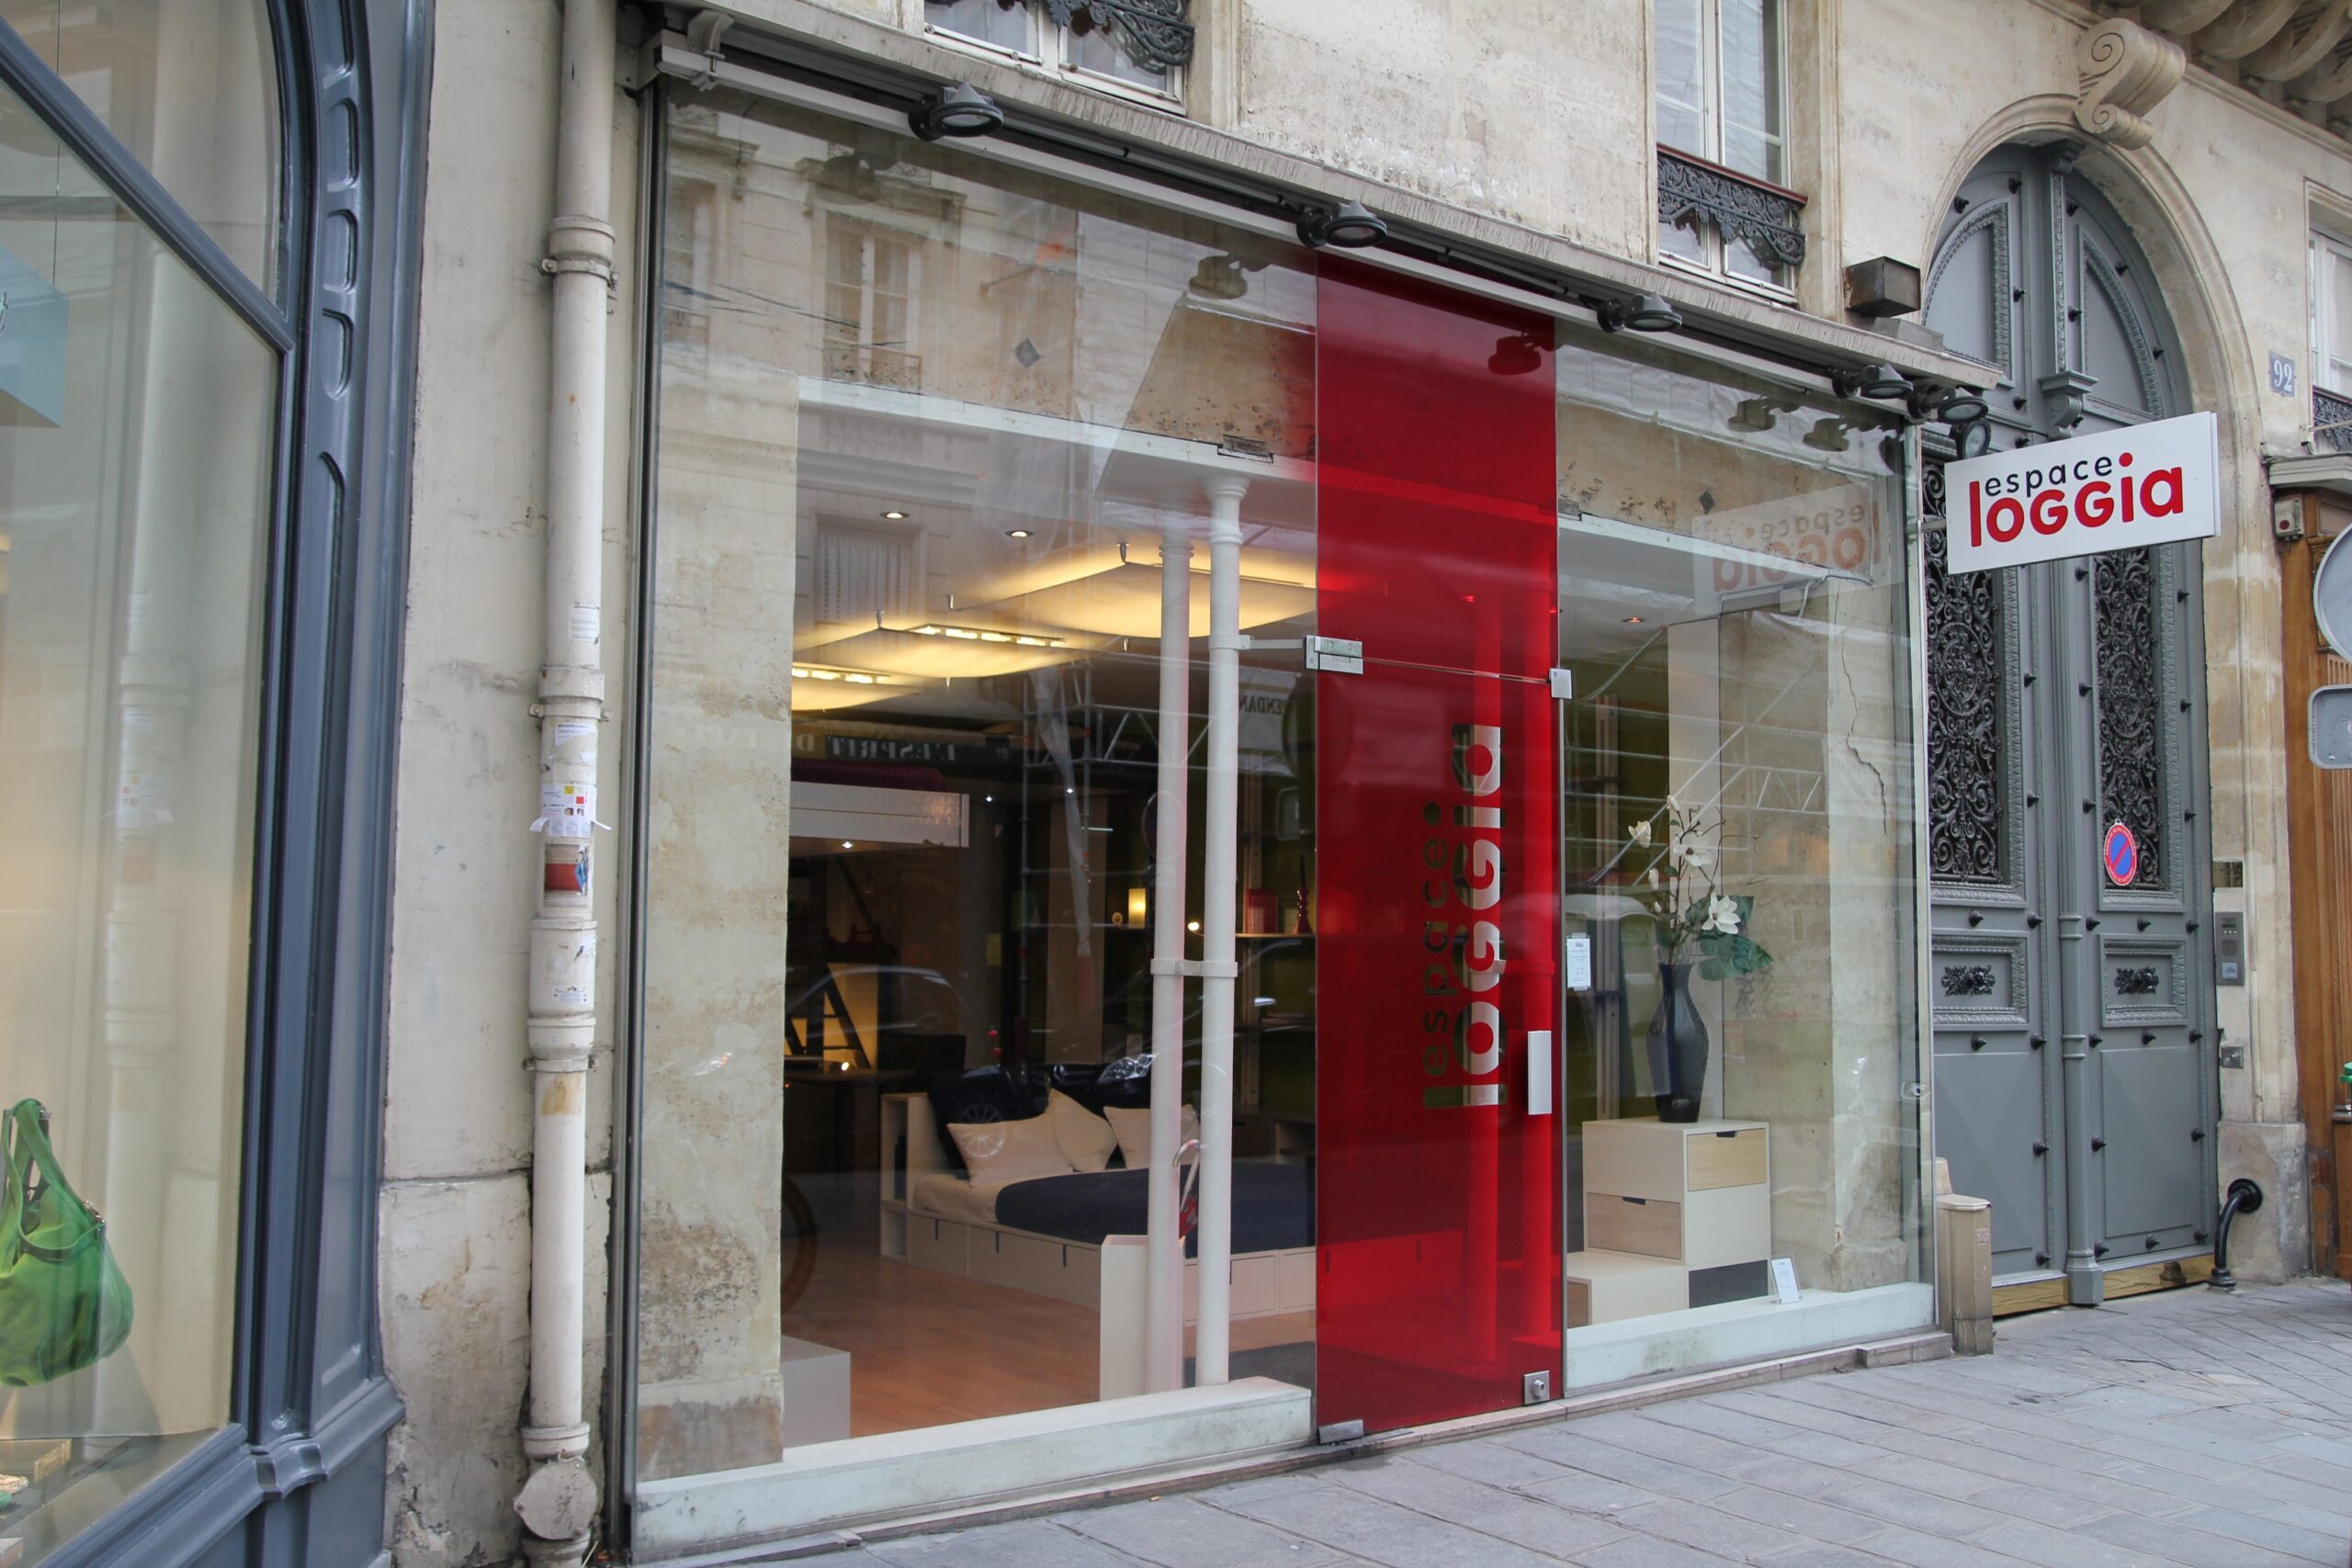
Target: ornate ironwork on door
[(2131, 721), (1964, 703)]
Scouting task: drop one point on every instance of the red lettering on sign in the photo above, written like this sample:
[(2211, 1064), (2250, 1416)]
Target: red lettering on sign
[(2170, 507), (2096, 504), (2049, 512)]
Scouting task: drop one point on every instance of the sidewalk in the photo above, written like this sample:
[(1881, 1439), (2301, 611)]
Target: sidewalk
[(2187, 1428)]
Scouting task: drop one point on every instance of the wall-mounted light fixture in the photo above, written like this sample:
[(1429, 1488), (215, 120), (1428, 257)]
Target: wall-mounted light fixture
[(1953, 405), (959, 109), (1877, 381), (1350, 226), (1829, 434), (1218, 277), (1517, 354), (1642, 313)]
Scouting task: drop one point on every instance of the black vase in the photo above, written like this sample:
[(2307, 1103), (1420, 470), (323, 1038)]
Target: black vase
[(1678, 1046)]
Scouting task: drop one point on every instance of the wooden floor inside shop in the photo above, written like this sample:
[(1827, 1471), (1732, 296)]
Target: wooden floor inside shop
[(927, 1348)]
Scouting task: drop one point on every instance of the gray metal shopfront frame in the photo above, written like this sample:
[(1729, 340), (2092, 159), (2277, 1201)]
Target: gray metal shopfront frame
[(297, 1476)]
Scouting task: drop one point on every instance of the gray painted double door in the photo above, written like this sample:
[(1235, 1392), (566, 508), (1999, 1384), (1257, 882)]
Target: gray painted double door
[(2073, 1046)]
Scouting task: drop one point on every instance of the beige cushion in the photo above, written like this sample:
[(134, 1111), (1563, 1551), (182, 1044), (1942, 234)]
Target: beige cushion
[(1086, 1140), (1133, 1128), (1009, 1151)]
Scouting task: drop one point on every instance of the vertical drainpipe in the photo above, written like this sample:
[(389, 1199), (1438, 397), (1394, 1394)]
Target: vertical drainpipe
[(1164, 1249), (1219, 873), (558, 1502)]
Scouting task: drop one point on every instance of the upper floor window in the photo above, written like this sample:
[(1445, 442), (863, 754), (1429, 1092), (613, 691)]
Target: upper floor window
[(2332, 314), (1139, 44), (1720, 103)]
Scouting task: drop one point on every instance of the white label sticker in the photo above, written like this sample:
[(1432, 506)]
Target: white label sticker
[(586, 622), (1579, 964), (568, 810), (574, 740)]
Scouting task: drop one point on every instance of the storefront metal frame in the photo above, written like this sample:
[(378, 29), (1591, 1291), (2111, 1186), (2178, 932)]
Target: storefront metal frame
[(296, 1476), (874, 93)]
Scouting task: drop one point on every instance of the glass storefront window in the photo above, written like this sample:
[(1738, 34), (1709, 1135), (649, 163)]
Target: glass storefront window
[(934, 440), (1739, 838), (191, 88), (136, 436), (938, 878)]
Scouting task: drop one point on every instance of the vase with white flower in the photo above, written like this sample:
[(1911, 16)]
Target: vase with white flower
[(1697, 926)]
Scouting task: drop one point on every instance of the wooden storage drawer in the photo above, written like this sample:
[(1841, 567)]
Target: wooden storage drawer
[(1616, 1223), (1607, 1287), (1725, 1158), (1727, 1225), (935, 1244)]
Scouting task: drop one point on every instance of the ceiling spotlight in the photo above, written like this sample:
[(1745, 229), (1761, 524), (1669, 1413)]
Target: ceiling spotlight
[(1016, 533), (1877, 381), (1953, 405), (1516, 354), (847, 845), (1220, 277), (1350, 226), (895, 515), (1633, 620), (961, 109), (1644, 313)]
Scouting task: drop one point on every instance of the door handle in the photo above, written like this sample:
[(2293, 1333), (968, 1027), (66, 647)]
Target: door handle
[(1539, 1072)]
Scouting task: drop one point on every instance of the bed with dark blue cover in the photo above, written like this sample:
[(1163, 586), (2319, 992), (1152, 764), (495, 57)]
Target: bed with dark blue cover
[(1274, 1206)]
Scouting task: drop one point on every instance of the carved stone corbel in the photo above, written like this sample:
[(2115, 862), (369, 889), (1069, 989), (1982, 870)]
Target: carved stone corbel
[(2125, 71)]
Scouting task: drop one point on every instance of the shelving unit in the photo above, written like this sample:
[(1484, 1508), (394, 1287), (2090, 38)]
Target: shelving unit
[(1676, 1215)]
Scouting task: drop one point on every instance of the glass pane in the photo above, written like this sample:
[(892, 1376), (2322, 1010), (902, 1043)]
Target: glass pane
[(1092, 46), (1743, 260), (135, 433), (1681, 76), (1683, 240), (190, 87), (1739, 834), (942, 437), (1751, 84), (2339, 313), (1005, 25), (1439, 1287)]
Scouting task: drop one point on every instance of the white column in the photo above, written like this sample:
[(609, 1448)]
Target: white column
[(1164, 1265), (1219, 873), (558, 1502)]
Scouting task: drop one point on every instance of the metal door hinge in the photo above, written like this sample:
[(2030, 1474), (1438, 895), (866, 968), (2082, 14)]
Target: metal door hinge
[(1536, 1388), (1339, 1432), (1334, 655)]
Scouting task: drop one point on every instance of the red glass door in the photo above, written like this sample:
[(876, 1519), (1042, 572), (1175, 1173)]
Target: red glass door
[(1438, 1244)]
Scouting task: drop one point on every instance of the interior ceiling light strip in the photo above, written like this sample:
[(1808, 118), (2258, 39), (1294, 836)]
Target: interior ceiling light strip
[(986, 634), (848, 677)]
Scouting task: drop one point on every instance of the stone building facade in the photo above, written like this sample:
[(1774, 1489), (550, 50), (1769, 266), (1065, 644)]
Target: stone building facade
[(1514, 152)]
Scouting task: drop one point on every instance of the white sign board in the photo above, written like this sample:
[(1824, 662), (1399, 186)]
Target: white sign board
[(2149, 484)]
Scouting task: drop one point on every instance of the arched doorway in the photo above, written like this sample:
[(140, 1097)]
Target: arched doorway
[(2075, 1084)]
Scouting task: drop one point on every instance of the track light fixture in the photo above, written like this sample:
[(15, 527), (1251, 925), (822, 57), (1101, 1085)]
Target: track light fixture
[(959, 109), (1877, 381), (1952, 405), (1350, 226), (1517, 354), (1642, 313)]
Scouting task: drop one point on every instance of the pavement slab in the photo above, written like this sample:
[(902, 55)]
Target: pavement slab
[(2188, 1427)]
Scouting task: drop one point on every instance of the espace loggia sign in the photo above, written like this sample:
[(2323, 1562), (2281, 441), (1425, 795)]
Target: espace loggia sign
[(2149, 484)]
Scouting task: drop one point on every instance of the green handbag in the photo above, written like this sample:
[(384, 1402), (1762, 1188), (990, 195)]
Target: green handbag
[(63, 1303)]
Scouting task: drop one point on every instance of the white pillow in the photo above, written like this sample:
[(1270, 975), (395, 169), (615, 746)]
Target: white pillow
[(1009, 1151), (1133, 1128), (1086, 1140)]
